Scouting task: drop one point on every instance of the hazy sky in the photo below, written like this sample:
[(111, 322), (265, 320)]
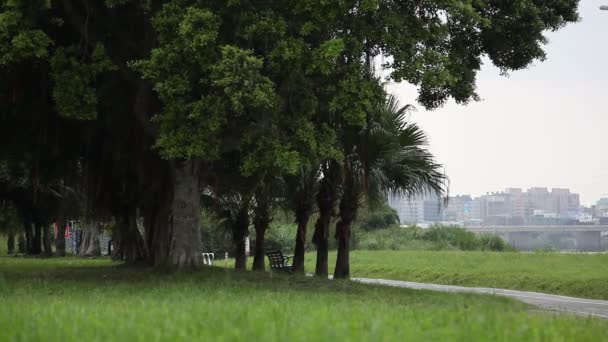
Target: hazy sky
[(544, 126)]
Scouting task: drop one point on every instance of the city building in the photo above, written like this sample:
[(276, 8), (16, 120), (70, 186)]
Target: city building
[(512, 207), (601, 207), (458, 209), (425, 208)]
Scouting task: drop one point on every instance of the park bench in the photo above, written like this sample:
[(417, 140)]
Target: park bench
[(278, 261)]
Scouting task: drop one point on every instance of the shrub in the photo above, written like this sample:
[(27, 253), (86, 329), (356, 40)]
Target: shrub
[(381, 217), (495, 243), (455, 236), (434, 238), (280, 236)]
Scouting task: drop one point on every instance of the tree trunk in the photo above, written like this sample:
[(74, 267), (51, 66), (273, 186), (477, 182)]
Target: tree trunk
[(84, 242), (94, 247), (37, 247), (349, 204), (240, 233), (10, 243), (321, 240), (186, 245), (60, 238), (240, 257), (326, 202), (46, 241), (128, 242), (29, 237), (156, 222), (342, 270), (133, 244), (258, 256), (21, 244), (261, 221), (300, 249), (116, 250), (158, 235), (110, 246)]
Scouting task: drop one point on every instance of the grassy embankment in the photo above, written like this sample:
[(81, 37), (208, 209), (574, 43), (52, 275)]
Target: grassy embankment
[(579, 275), (81, 299)]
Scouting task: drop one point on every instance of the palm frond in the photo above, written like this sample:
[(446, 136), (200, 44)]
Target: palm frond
[(396, 158)]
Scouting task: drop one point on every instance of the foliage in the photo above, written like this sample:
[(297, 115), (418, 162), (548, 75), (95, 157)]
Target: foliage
[(491, 242), (434, 238), (73, 91), (454, 236), (380, 220), (370, 232), (214, 235), (19, 39), (39, 297), (378, 216), (263, 90), (280, 236)]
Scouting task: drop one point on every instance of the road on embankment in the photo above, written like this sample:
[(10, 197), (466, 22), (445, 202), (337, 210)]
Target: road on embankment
[(580, 306)]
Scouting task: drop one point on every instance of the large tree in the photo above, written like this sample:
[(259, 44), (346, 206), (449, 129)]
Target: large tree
[(156, 91)]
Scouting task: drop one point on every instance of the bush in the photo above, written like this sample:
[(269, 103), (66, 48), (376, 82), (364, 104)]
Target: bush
[(434, 238), (495, 243), (380, 217), (455, 236), (280, 236), (215, 237)]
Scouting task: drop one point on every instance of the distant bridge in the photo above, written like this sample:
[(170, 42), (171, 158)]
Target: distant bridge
[(587, 238)]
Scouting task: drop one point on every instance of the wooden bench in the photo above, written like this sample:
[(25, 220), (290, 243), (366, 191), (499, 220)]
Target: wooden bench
[(278, 261)]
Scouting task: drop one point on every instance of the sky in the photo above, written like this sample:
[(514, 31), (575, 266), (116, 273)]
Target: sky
[(545, 126)]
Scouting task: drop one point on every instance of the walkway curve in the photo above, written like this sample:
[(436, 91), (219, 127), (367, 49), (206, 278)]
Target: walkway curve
[(580, 306)]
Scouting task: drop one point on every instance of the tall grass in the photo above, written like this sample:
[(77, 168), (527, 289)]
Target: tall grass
[(434, 238)]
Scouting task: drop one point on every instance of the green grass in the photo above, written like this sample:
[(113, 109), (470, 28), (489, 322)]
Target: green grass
[(95, 300), (580, 275), (3, 246)]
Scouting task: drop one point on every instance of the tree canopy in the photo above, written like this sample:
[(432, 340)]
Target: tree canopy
[(143, 106)]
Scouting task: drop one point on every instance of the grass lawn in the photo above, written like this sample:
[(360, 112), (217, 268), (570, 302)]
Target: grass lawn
[(580, 275), (89, 300), (3, 246)]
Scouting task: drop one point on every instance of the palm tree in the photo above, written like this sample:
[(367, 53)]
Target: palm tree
[(268, 196), (327, 197), (301, 189), (388, 156)]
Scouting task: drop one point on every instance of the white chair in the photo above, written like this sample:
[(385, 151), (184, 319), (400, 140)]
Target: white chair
[(208, 259)]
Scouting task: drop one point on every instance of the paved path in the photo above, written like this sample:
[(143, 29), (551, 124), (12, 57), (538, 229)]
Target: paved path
[(580, 306)]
